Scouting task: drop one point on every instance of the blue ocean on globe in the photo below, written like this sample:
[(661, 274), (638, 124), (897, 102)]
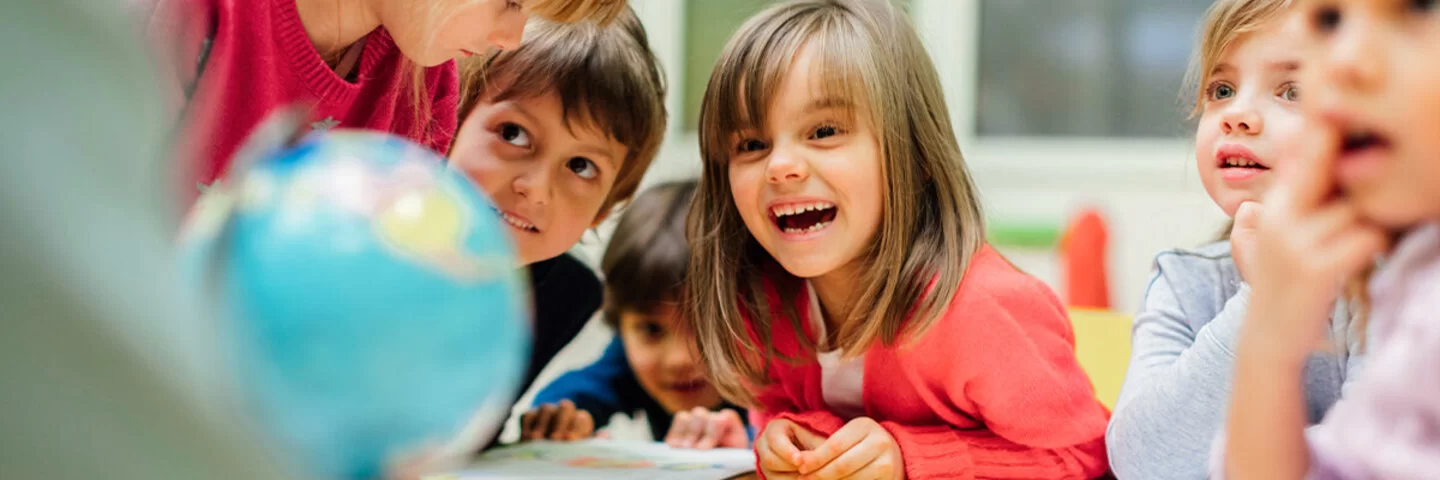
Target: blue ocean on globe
[(372, 294)]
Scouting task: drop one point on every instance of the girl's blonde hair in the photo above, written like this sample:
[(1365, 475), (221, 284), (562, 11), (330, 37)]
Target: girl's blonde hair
[(1226, 21), (867, 52)]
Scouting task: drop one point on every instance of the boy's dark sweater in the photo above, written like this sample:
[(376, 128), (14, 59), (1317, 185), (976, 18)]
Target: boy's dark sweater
[(566, 294), (609, 386)]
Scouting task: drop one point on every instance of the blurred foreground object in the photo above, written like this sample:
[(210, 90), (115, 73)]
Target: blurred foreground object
[(104, 371), (372, 294)]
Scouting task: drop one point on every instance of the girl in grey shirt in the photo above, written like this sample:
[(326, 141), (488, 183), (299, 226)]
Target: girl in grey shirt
[(1175, 395)]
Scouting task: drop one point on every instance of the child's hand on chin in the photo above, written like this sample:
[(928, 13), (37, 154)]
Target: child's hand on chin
[(778, 448), (1243, 236), (1307, 244), (860, 449), (556, 421), (703, 429)]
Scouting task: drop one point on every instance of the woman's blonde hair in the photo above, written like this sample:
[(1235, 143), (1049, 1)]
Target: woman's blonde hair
[(867, 51), (1226, 21)]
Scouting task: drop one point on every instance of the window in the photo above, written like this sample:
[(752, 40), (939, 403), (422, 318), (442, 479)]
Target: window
[(1085, 68), (708, 26)]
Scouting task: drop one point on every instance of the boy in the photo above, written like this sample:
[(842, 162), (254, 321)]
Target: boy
[(557, 133), (650, 366)]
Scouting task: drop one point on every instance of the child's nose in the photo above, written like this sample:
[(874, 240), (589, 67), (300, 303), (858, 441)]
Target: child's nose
[(533, 185), (786, 165), (1242, 119), (677, 358)]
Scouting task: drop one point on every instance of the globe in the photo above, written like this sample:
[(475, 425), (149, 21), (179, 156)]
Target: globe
[(373, 298)]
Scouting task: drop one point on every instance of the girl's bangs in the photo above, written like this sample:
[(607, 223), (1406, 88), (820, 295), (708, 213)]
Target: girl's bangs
[(747, 79)]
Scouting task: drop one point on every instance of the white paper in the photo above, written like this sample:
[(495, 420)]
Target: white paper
[(605, 460)]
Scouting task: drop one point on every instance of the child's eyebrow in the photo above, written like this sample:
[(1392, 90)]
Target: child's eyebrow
[(1285, 65), (828, 103), (1221, 68), (515, 107)]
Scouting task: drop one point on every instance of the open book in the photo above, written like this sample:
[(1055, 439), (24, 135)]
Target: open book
[(605, 460)]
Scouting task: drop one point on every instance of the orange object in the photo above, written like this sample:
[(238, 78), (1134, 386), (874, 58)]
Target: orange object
[(1084, 260)]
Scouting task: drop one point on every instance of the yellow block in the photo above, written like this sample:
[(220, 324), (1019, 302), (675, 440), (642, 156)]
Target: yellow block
[(1102, 343)]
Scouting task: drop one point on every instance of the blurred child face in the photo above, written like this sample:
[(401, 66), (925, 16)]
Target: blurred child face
[(664, 361), (431, 32), (809, 188), (1374, 81), (548, 178), (1250, 111)]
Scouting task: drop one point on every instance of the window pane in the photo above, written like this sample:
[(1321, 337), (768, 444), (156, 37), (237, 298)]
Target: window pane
[(708, 25), (1099, 68)]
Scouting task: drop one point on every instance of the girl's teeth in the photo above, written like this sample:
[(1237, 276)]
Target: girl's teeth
[(812, 228), (799, 208)]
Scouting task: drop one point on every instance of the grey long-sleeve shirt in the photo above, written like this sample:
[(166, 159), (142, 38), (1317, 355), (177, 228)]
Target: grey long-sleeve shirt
[(1182, 365)]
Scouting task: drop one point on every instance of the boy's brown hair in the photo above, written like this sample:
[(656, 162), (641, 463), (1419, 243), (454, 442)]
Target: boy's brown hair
[(645, 262), (605, 75), (572, 11)]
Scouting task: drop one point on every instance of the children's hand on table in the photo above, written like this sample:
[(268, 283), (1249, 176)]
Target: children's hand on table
[(1308, 242), (703, 429), (779, 447), (861, 449), (556, 421)]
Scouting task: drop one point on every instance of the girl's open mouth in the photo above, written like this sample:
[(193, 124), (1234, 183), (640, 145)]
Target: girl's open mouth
[(803, 217)]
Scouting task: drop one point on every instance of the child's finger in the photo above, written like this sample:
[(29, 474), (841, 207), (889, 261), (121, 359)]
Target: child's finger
[(735, 434), (1247, 217), (779, 451), (527, 424), (843, 440), (696, 428), (1355, 249), (679, 433), (543, 420), (1307, 181), (715, 428), (584, 425), (564, 417), (852, 461), (1329, 221)]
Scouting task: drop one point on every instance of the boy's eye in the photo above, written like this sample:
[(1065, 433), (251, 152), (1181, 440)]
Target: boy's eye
[(824, 131), (583, 167), (1422, 5), (515, 135), (652, 330), (1221, 91), (751, 145), (1290, 92)]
